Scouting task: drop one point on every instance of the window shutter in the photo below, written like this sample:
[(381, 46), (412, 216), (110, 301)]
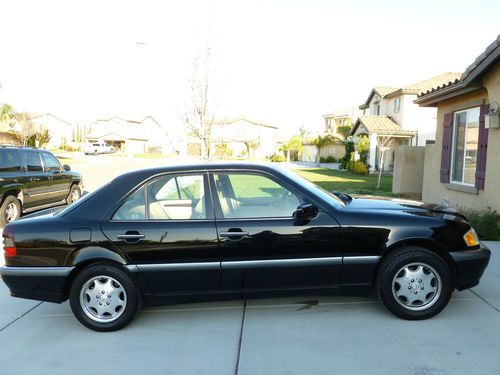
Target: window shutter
[(446, 147), (482, 148)]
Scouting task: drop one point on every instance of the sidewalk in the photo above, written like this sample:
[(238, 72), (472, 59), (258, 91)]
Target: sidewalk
[(312, 335)]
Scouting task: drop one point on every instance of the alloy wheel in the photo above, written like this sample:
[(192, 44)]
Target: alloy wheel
[(103, 299)]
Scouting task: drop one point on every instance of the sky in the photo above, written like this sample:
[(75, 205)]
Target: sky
[(285, 63)]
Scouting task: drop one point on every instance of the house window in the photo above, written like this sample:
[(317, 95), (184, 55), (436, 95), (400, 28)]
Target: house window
[(464, 149), (397, 105), (378, 109)]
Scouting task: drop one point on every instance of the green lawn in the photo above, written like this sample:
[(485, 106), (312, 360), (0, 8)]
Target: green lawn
[(347, 182)]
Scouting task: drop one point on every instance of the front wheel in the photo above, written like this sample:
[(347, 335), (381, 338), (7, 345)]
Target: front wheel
[(414, 283), (104, 297), (74, 194)]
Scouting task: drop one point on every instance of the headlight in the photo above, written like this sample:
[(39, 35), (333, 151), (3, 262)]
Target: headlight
[(471, 238)]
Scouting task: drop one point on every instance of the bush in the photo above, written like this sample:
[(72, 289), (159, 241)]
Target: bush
[(277, 158), (322, 159), (331, 159), (357, 167), (486, 223)]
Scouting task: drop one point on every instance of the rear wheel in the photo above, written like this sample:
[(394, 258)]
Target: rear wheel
[(104, 297), (10, 210), (414, 283)]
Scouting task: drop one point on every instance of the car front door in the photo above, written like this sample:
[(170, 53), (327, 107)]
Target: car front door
[(58, 182), (37, 183), (263, 247), (167, 229)]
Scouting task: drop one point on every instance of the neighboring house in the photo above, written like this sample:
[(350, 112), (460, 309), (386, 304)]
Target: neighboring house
[(132, 136), (392, 111), (239, 137), (60, 131), (462, 167), (340, 118)]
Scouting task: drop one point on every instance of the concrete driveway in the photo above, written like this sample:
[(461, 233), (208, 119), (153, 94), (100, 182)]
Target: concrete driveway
[(310, 335)]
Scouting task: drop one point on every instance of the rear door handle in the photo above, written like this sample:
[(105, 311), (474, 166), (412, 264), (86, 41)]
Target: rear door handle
[(130, 236)]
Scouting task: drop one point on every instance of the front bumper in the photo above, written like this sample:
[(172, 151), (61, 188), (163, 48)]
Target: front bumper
[(470, 265), (39, 283)]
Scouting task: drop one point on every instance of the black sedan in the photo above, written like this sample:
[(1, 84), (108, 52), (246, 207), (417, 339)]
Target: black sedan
[(172, 234)]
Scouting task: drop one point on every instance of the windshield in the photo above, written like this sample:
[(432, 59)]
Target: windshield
[(313, 188)]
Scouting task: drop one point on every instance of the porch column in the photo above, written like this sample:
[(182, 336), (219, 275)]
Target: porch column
[(373, 151)]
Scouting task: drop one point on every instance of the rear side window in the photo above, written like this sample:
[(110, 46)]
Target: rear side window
[(10, 160), (33, 161)]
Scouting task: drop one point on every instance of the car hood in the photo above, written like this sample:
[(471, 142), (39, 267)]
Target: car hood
[(399, 205)]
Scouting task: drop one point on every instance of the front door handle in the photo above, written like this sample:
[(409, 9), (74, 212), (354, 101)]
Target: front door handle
[(33, 179), (130, 236), (234, 235)]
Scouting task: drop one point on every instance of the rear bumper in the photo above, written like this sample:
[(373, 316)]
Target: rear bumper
[(470, 265), (39, 283)]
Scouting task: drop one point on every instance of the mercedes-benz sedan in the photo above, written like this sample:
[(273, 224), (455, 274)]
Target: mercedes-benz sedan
[(170, 234)]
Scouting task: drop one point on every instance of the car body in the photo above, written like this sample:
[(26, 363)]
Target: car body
[(33, 179), (176, 233), (95, 148)]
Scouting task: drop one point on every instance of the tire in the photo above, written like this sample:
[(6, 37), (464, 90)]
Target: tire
[(414, 283), (10, 210), (74, 194), (95, 152), (94, 307)]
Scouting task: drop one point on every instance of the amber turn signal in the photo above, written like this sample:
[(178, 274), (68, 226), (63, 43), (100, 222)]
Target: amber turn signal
[(471, 238)]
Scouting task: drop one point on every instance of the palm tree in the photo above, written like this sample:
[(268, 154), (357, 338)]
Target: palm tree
[(320, 142)]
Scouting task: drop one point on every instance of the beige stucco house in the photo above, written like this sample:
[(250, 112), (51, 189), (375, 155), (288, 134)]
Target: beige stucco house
[(60, 130), (238, 137), (132, 136), (390, 111), (462, 167)]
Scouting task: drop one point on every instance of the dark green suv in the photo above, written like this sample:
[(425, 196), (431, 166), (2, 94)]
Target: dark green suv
[(33, 179)]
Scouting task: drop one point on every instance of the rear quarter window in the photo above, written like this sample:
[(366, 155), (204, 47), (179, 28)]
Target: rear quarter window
[(10, 160)]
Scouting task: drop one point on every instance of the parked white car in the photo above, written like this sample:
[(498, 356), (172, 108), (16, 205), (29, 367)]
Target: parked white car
[(95, 148)]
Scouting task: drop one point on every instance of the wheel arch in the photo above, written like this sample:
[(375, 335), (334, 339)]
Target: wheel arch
[(15, 192), (426, 243)]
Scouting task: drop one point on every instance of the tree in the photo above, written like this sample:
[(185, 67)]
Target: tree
[(294, 143), (39, 139), (320, 142), (199, 114), (24, 129), (6, 117), (363, 147), (251, 147), (344, 131), (384, 143)]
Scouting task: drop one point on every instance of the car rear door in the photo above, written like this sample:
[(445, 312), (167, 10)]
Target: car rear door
[(167, 229), (58, 182), (262, 246)]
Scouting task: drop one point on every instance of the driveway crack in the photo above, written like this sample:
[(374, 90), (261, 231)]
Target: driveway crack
[(241, 337), (19, 317), (485, 301)]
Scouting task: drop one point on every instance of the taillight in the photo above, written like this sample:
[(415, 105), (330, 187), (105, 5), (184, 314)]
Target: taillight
[(9, 244)]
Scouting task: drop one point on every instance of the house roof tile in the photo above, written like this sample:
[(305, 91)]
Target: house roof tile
[(381, 125)]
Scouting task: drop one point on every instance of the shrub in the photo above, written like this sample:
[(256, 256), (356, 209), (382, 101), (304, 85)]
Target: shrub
[(331, 159), (323, 159), (277, 158), (357, 167), (486, 223)]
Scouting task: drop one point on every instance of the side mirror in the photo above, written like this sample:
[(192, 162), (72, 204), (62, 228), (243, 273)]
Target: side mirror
[(304, 213), (66, 167)]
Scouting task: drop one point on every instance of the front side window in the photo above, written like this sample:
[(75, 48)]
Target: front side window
[(465, 142), (246, 195), (51, 163)]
